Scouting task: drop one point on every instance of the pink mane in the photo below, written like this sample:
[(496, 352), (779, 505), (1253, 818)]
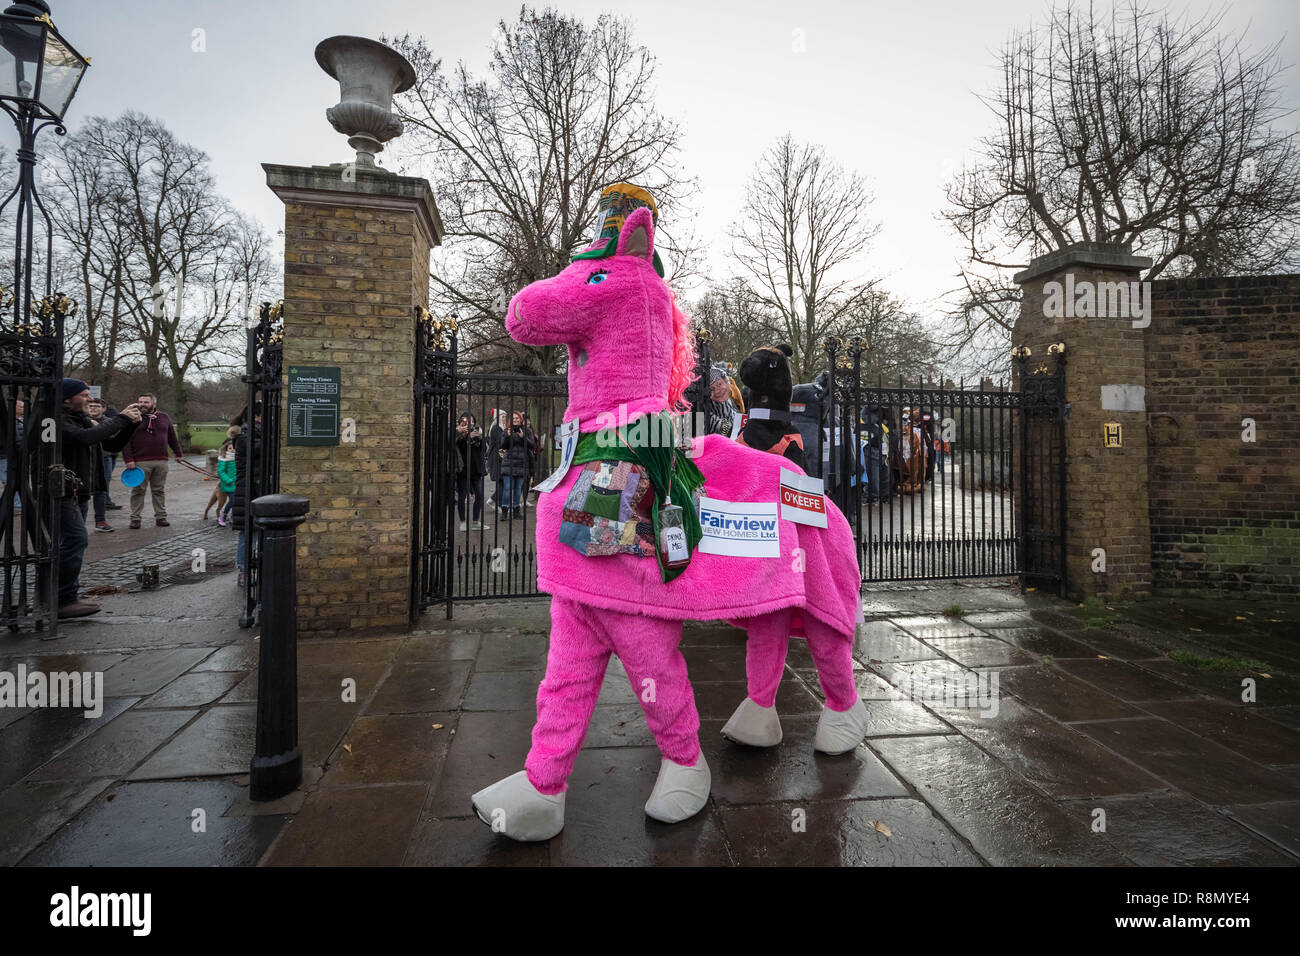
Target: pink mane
[(684, 359)]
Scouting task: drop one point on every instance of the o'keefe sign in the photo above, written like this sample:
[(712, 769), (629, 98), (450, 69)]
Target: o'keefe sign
[(802, 499)]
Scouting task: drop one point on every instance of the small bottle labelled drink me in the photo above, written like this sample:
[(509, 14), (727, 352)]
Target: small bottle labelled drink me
[(673, 552)]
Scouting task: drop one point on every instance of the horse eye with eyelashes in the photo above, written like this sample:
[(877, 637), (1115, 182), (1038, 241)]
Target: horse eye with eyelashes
[(597, 276)]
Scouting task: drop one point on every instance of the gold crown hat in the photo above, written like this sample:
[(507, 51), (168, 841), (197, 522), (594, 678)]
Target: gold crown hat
[(616, 204)]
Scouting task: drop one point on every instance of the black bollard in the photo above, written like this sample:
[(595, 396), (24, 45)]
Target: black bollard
[(276, 768)]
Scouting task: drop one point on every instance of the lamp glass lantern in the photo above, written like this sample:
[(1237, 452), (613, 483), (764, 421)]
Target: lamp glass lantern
[(39, 69)]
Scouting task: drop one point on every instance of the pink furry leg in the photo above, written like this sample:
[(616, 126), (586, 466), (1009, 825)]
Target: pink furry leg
[(648, 648), (765, 650), (575, 669), (832, 652)]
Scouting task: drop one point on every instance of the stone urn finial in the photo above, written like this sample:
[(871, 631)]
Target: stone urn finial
[(369, 73)]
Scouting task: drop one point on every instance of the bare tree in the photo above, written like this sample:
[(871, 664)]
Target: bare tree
[(167, 271), (518, 160), (737, 320), (1126, 126), (799, 243), (897, 340)]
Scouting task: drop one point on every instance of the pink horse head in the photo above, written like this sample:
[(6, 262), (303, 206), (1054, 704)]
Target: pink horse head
[(628, 342)]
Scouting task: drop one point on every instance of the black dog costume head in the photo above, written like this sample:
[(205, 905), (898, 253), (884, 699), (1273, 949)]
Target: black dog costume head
[(765, 373)]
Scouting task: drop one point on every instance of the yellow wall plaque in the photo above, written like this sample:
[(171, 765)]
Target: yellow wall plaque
[(1112, 435)]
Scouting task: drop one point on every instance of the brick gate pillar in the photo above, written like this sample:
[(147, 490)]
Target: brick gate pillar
[(356, 263), (1089, 296)]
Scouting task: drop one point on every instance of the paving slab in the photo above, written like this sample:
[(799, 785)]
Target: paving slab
[(220, 742), (887, 832), (456, 646), (467, 841), (1239, 727), (1052, 756), (1061, 695), (792, 770), (1127, 682), (1190, 762), (354, 826), (392, 748), (981, 652), (47, 732), (485, 748), (1279, 822), (154, 824), (1044, 641), (150, 671), (193, 690), (512, 652), (502, 690), (116, 749), (605, 822), (1007, 822), (1172, 829), (233, 657), (325, 681), (418, 688), (31, 812)]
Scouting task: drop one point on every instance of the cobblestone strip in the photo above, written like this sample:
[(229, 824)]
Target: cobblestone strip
[(173, 555)]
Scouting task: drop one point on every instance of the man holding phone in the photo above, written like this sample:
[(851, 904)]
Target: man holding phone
[(147, 450), (84, 442)]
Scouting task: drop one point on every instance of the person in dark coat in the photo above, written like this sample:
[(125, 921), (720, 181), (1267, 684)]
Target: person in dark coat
[(496, 435), (516, 448), (765, 373), (249, 438), (470, 468), (84, 444)]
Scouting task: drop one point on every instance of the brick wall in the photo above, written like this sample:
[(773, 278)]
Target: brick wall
[(1106, 488), (1225, 513), (355, 266)]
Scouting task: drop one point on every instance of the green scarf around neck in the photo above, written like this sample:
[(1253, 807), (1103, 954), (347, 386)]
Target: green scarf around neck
[(660, 463)]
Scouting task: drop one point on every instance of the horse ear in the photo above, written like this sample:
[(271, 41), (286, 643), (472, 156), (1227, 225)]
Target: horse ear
[(637, 237), (786, 348)]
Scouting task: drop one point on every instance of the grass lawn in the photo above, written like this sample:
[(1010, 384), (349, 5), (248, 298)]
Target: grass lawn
[(205, 436)]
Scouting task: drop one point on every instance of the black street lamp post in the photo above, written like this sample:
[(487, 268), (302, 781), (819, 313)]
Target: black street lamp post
[(39, 74)]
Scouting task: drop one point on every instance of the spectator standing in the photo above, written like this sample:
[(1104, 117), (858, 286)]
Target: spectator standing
[(470, 469), (495, 452), (225, 477), (534, 462), (147, 450), (95, 409), (110, 464), (84, 442), (723, 402), (516, 449)]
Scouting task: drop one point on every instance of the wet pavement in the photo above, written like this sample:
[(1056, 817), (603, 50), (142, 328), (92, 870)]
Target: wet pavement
[(1024, 731)]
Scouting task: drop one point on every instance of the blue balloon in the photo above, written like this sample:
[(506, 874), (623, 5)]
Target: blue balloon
[(133, 477)]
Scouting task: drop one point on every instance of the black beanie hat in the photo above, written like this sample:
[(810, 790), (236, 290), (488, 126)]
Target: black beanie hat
[(73, 386)]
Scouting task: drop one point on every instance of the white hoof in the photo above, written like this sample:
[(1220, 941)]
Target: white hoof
[(513, 806), (838, 732), (753, 725), (679, 792)]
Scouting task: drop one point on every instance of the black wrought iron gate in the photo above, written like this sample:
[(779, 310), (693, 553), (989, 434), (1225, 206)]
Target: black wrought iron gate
[(31, 372), (482, 441), (940, 481), (264, 362)]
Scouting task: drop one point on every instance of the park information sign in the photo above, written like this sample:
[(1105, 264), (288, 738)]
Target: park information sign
[(314, 405)]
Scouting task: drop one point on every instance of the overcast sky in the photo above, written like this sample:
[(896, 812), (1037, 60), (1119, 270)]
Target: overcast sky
[(887, 87)]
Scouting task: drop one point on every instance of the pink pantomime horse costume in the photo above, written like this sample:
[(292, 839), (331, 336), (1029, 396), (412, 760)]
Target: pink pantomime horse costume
[(630, 346)]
